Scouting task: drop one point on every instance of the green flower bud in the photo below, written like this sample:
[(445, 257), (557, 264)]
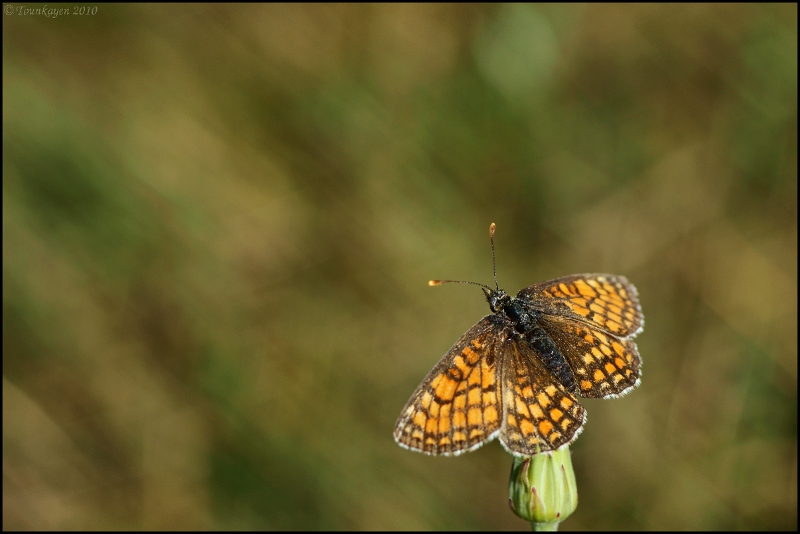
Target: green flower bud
[(542, 488)]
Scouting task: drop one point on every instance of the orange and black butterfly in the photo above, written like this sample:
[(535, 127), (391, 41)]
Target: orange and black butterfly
[(518, 372)]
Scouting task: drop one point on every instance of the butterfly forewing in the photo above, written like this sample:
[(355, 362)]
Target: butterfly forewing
[(458, 407), (604, 301)]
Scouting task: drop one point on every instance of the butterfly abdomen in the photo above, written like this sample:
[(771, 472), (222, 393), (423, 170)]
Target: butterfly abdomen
[(551, 357)]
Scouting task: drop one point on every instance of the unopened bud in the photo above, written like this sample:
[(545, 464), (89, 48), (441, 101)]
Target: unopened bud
[(542, 488)]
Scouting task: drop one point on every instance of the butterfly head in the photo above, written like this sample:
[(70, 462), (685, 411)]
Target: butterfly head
[(497, 299)]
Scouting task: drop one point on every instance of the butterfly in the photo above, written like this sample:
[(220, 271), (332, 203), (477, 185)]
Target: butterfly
[(517, 373)]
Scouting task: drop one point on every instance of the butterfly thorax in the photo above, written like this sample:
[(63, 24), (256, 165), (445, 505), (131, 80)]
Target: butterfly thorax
[(521, 314)]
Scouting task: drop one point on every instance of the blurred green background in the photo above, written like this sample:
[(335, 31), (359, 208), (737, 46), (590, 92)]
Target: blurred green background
[(219, 223)]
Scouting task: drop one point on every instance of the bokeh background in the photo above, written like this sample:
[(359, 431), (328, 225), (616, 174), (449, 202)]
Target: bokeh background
[(219, 223)]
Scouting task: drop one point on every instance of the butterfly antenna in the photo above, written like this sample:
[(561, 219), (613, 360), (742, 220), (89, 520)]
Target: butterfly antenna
[(494, 263), (440, 282)]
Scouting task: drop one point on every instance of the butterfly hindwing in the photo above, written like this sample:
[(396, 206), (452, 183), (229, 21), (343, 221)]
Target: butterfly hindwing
[(539, 413), (604, 365)]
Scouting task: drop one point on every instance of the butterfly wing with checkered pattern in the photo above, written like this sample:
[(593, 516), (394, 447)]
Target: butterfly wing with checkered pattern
[(604, 301), (539, 414), (458, 406), (604, 365), (592, 319)]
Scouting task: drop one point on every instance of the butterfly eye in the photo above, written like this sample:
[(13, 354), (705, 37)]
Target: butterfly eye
[(496, 299), (496, 304)]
